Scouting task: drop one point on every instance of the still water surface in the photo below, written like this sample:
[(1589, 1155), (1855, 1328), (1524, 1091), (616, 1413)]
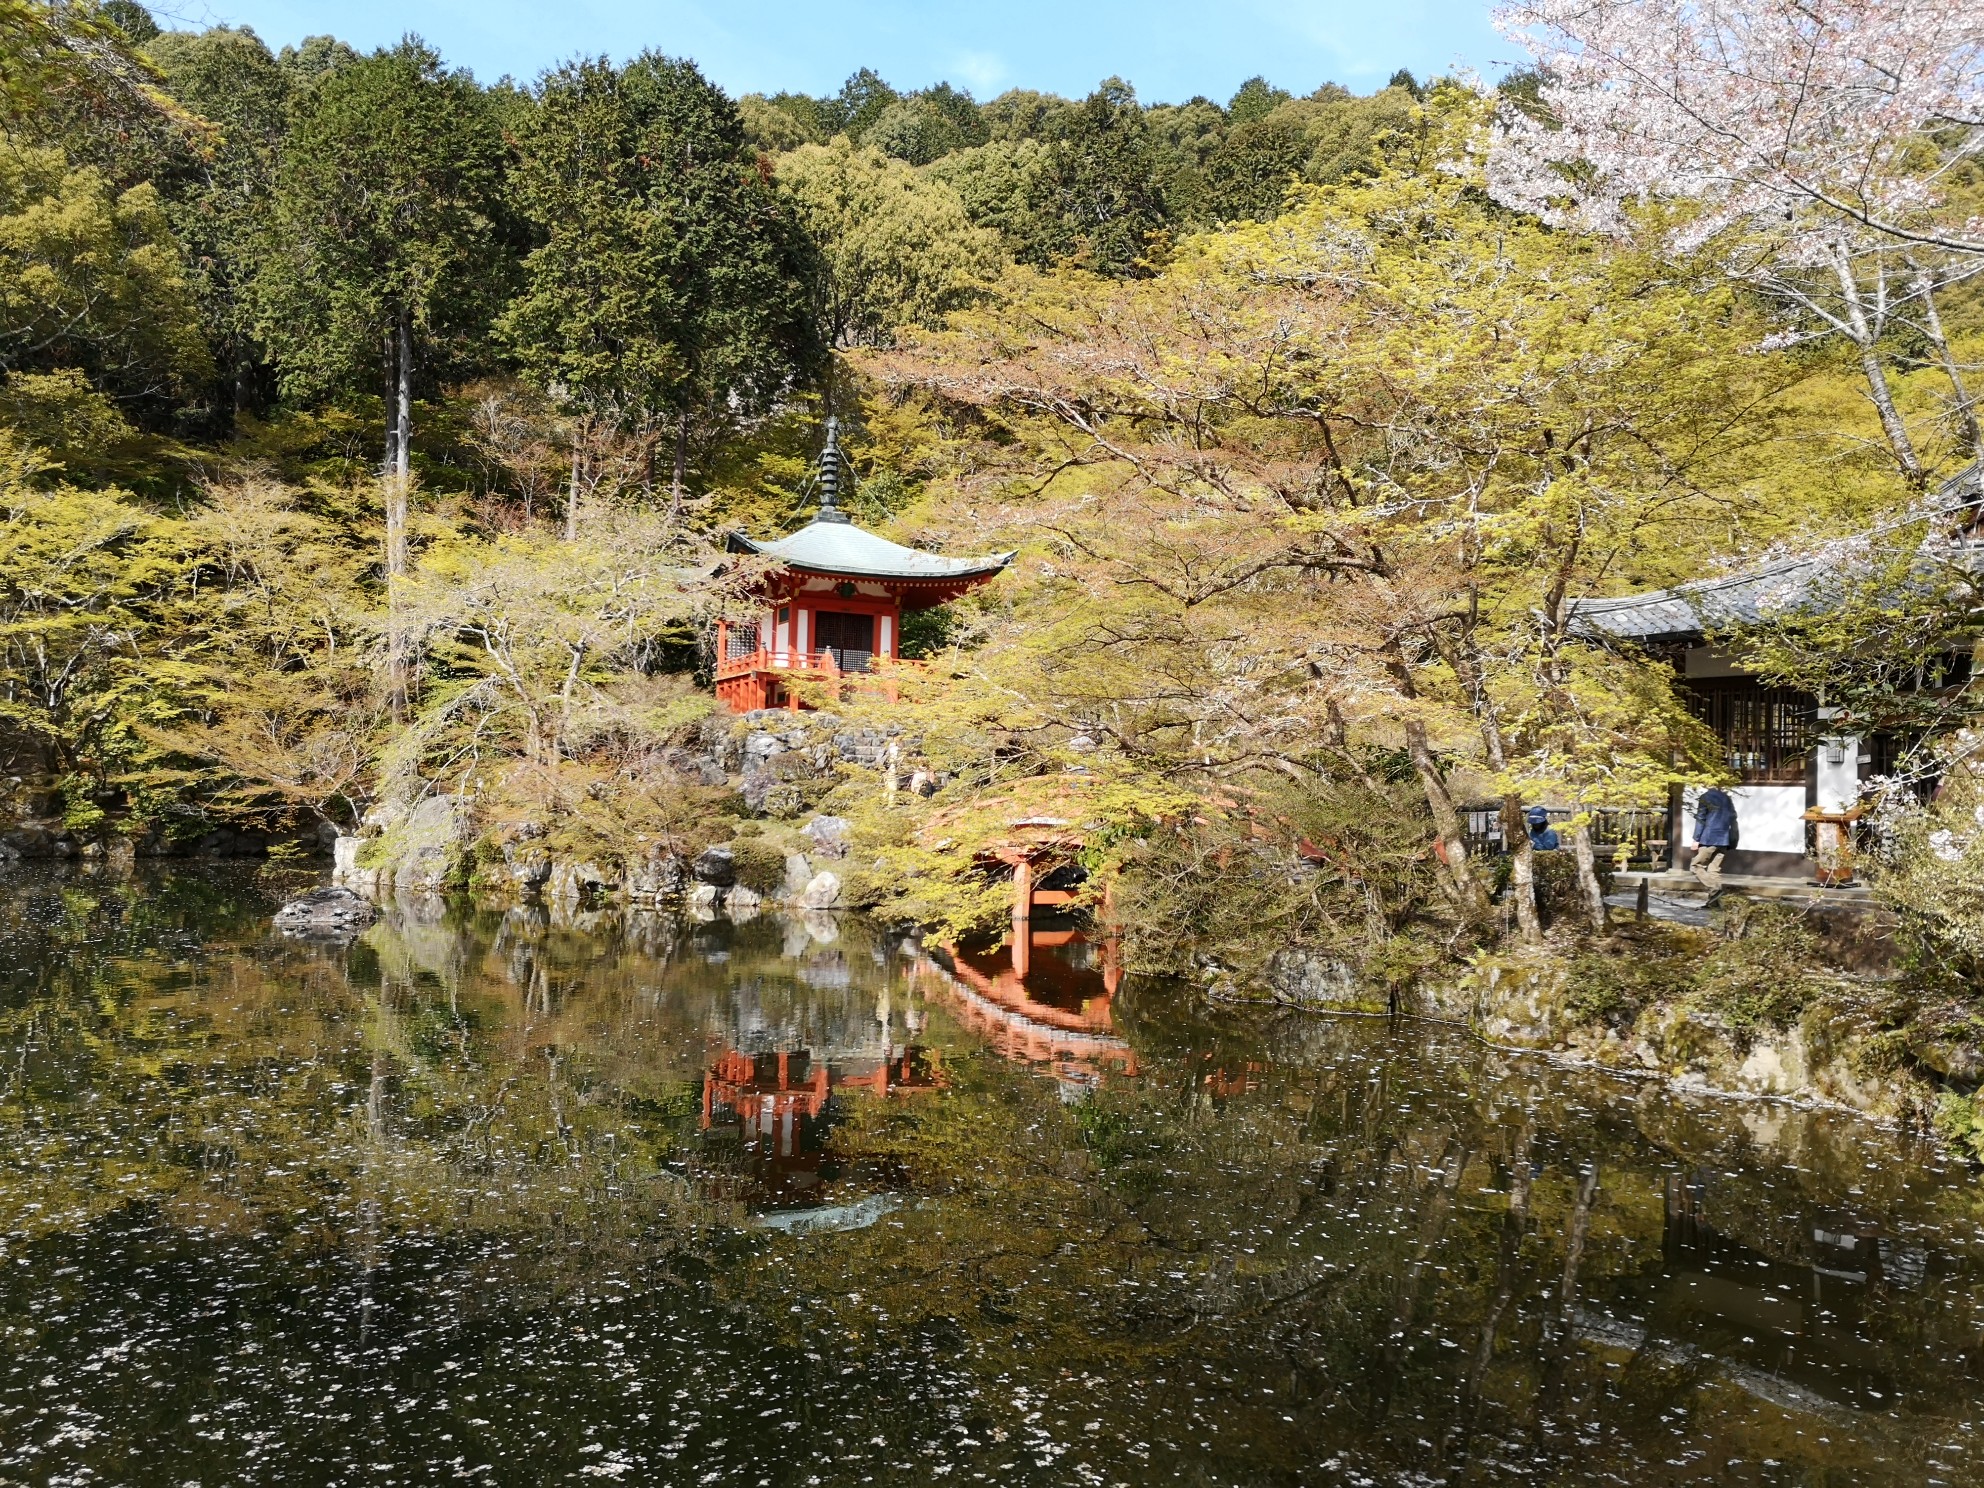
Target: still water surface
[(491, 1198)]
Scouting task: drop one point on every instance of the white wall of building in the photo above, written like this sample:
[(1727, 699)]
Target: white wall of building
[(1839, 781), (1769, 818)]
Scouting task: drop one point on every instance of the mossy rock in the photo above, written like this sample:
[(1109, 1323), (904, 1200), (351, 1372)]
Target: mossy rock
[(760, 865)]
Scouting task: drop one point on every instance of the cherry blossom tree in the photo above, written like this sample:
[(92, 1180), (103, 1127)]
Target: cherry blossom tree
[(1757, 108), (1819, 143)]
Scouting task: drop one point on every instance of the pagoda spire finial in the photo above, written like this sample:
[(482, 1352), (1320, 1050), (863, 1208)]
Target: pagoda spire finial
[(830, 476)]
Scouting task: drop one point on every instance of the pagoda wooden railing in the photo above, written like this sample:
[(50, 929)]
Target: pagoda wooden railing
[(876, 671)]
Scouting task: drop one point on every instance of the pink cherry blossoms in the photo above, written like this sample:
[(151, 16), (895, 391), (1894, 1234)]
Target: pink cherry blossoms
[(1760, 110)]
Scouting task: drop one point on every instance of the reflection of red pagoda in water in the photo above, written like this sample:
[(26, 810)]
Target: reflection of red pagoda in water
[(776, 1105)]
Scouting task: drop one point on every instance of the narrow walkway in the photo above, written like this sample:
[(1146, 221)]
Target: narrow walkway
[(1680, 898)]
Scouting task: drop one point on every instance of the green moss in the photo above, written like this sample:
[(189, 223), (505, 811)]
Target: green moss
[(760, 865), (1613, 984), (1880, 1054), (1759, 977), (1960, 1121)]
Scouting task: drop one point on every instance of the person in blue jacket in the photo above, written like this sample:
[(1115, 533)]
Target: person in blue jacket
[(1542, 836), (1715, 835)]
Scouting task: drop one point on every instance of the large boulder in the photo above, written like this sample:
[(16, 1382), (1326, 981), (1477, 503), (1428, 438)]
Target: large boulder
[(717, 866), (660, 875), (822, 892), (429, 843), (35, 839), (422, 848), (830, 835), (1310, 978), (798, 874), (344, 854), (573, 884), (527, 864), (334, 912), (758, 787)]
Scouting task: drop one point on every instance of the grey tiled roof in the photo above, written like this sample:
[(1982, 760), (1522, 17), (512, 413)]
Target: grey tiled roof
[(1686, 611)]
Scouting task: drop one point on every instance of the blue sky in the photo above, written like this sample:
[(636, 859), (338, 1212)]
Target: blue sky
[(1170, 49)]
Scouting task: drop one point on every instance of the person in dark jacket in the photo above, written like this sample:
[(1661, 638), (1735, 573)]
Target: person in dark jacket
[(1715, 835), (1542, 836)]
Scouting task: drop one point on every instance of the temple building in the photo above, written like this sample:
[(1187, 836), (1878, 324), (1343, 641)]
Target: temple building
[(1798, 764), (834, 603)]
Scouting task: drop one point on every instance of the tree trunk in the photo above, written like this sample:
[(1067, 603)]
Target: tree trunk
[(397, 483), (1866, 337), (391, 365), (403, 397), (1891, 421), (1963, 406), (681, 466), (1522, 876), (396, 514), (1590, 890), (572, 497), (1446, 822)]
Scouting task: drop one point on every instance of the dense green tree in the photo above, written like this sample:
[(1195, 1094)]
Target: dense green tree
[(1025, 114), (1254, 100), (1324, 140), (926, 126), (862, 99), (1101, 198), (62, 64), (385, 254), (313, 59), (92, 279), (132, 19), (668, 289), (1350, 137), (998, 184), (774, 128), (895, 247), (1188, 134), (220, 201), (1254, 166)]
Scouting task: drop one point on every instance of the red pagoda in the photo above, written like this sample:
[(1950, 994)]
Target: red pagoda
[(834, 603)]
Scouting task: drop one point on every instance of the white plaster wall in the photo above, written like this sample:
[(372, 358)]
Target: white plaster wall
[(1769, 818), (1839, 784)]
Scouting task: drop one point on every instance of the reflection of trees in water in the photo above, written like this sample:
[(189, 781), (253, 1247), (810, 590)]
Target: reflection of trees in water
[(1309, 1219), (1289, 1240)]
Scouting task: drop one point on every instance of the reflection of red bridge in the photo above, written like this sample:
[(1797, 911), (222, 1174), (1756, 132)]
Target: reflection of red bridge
[(1057, 1015)]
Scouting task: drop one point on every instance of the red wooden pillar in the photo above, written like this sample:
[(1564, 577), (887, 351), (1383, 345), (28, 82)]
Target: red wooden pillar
[(1022, 917)]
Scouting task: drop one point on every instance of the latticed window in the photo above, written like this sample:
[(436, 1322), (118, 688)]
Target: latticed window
[(742, 639), (1766, 732)]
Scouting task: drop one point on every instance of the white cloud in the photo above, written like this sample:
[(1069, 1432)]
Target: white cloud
[(982, 72)]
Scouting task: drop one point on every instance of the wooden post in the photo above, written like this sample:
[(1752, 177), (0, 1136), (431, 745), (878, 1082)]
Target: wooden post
[(1022, 917)]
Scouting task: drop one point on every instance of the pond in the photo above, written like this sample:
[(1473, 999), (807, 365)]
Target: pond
[(504, 1198)]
